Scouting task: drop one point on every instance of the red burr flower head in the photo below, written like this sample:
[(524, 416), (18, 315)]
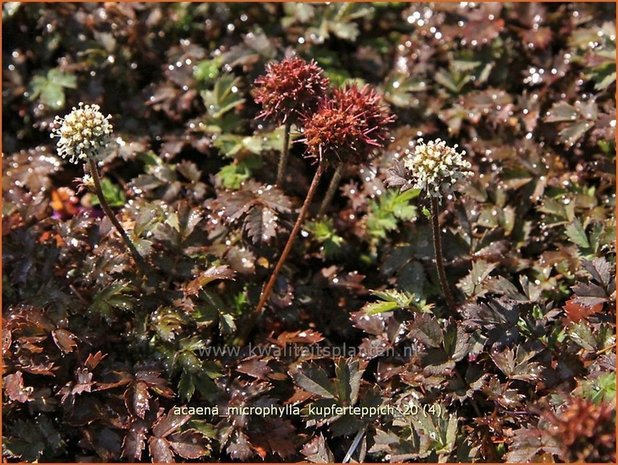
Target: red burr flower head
[(289, 88), (371, 110), (348, 126)]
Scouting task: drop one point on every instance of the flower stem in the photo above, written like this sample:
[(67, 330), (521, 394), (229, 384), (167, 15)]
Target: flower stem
[(110, 214), (266, 292), (332, 188), (283, 159), (437, 246), (288, 246)]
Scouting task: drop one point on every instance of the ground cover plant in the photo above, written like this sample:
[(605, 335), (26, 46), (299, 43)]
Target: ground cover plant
[(377, 232)]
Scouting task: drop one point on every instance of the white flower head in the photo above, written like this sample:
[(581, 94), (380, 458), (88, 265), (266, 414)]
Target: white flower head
[(82, 133), (436, 167)]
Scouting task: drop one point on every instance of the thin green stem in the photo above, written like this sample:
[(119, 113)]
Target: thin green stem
[(112, 217), (283, 159), (437, 246), (332, 188)]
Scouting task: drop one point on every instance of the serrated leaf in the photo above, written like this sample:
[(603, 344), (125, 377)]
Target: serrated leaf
[(527, 444), (115, 296), (391, 300), (189, 444), (517, 364), (473, 283), (577, 234), (213, 273), (314, 379), (348, 374), (426, 329), (224, 97), (600, 270), (169, 423), (137, 399), (374, 308)]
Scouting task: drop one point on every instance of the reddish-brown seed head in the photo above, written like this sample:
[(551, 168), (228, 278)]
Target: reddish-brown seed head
[(289, 88), (348, 126), (368, 105)]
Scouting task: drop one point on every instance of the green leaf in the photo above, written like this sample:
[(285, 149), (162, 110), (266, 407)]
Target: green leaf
[(453, 79), (29, 440), (240, 147), (167, 323), (577, 234), (374, 308), (392, 207), (604, 75), (113, 194), (186, 386), (324, 232), (206, 387), (600, 389), (49, 89), (571, 133), (390, 300), (575, 120), (398, 90), (581, 334), (207, 70), (233, 175), (114, 297), (561, 111), (224, 97)]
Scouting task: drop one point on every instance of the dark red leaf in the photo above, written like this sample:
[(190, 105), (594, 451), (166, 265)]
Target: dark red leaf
[(65, 340), (240, 448), (279, 438), (254, 367), (212, 274), (135, 440), (189, 444), (577, 311), (169, 423), (83, 382), (15, 389), (94, 359), (160, 450), (307, 336), (137, 399)]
